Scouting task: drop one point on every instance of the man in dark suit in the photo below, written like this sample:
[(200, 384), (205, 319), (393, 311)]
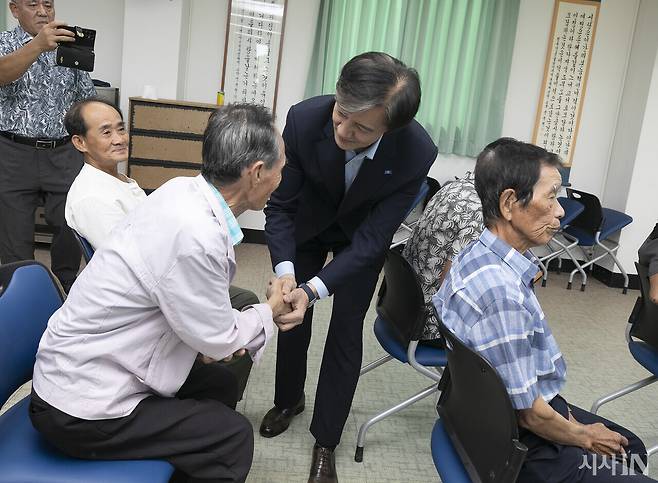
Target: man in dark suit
[(355, 163)]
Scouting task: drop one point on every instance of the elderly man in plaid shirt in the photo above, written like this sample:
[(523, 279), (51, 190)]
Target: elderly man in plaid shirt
[(488, 302)]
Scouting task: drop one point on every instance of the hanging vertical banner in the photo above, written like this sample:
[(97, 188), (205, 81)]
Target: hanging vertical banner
[(565, 76), (254, 36)]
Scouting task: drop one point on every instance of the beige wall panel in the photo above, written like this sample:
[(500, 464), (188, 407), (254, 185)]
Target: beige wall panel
[(168, 119), (152, 177), (165, 149)]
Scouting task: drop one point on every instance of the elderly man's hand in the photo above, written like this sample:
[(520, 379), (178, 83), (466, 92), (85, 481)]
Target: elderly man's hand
[(298, 300), (604, 441), (653, 288), (51, 35), (275, 297), (288, 284)]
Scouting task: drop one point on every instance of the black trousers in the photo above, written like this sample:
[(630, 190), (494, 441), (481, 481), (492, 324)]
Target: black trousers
[(343, 349), (240, 366), (198, 431), (26, 175), (550, 462)]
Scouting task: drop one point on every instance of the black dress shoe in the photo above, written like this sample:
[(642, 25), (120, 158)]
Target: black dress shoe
[(323, 466), (276, 421)]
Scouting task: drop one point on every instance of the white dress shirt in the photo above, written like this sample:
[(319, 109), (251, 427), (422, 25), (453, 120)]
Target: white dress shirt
[(353, 162), (97, 201), (154, 296)]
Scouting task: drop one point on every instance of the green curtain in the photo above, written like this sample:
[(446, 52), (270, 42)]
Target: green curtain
[(462, 50), (3, 19)]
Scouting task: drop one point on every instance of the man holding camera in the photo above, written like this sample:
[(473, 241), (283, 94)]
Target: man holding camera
[(37, 159)]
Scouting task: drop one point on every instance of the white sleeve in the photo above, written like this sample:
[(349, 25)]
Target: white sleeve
[(194, 298), (94, 218)]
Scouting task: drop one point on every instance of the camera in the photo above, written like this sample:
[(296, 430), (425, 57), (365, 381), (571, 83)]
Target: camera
[(78, 54)]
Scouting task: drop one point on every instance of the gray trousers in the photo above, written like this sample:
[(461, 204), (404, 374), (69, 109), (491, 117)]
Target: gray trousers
[(27, 176)]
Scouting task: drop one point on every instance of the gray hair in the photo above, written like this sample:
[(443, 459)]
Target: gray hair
[(238, 135), (377, 79)]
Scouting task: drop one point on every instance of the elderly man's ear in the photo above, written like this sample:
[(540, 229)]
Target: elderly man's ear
[(506, 202), (255, 171)]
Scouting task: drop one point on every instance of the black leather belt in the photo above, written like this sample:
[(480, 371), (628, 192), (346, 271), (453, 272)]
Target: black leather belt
[(39, 143)]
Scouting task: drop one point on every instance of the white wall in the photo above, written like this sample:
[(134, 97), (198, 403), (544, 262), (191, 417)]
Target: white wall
[(104, 17), (642, 202), (631, 113), (205, 50), (151, 48)]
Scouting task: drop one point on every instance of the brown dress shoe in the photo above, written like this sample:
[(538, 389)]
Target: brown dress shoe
[(323, 466), (276, 421)]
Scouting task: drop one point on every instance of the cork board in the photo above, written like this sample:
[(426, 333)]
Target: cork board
[(170, 119), (165, 149), (152, 177)]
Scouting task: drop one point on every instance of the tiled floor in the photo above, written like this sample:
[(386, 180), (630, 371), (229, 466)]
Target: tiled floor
[(589, 327)]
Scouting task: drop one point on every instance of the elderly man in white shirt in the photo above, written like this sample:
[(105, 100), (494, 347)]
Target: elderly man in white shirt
[(100, 195), (119, 372)]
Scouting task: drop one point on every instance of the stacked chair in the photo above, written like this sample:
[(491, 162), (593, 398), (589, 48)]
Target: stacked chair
[(29, 295), (398, 327), (642, 339), (476, 437), (591, 228)]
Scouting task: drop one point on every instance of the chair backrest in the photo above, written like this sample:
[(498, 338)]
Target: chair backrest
[(85, 246), (401, 301), (29, 295), (572, 209), (645, 314), (478, 415), (591, 218)]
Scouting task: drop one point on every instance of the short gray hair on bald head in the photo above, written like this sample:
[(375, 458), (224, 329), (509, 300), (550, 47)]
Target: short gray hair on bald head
[(238, 135)]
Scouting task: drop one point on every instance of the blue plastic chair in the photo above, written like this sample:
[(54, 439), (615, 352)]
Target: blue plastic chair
[(593, 226), (642, 339), (572, 209), (28, 297), (85, 246), (476, 438), (398, 327)]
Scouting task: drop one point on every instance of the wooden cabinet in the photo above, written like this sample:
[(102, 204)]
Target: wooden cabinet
[(165, 139)]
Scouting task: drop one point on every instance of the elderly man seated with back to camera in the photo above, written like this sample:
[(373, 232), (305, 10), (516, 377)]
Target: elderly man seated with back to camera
[(125, 367), (488, 301)]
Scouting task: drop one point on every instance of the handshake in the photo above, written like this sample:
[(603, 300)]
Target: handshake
[(288, 302)]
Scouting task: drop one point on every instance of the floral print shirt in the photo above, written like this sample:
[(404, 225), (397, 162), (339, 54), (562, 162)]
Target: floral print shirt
[(34, 105), (451, 220)]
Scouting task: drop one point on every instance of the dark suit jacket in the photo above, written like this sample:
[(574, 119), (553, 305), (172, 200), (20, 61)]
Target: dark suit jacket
[(311, 195)]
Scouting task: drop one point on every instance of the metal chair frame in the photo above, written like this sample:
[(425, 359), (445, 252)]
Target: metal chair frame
[(636, 385), (433, 373)]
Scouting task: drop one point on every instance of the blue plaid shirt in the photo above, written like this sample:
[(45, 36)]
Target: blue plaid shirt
[(234, 230), (488, 302)]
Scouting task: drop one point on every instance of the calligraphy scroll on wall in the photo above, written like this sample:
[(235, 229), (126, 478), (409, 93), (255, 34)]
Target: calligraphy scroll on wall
[(565, 76), (254, 37)]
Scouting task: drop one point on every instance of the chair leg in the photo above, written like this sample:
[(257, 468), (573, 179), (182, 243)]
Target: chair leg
[(612, 252), (361, 439), (622, 392), (375, 364), (652, 450), (579, 268)]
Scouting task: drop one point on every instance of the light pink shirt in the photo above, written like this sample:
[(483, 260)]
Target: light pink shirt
[(153, 297)]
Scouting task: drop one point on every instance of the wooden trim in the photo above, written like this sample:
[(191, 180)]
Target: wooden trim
[(228, 30), (278, 63)]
